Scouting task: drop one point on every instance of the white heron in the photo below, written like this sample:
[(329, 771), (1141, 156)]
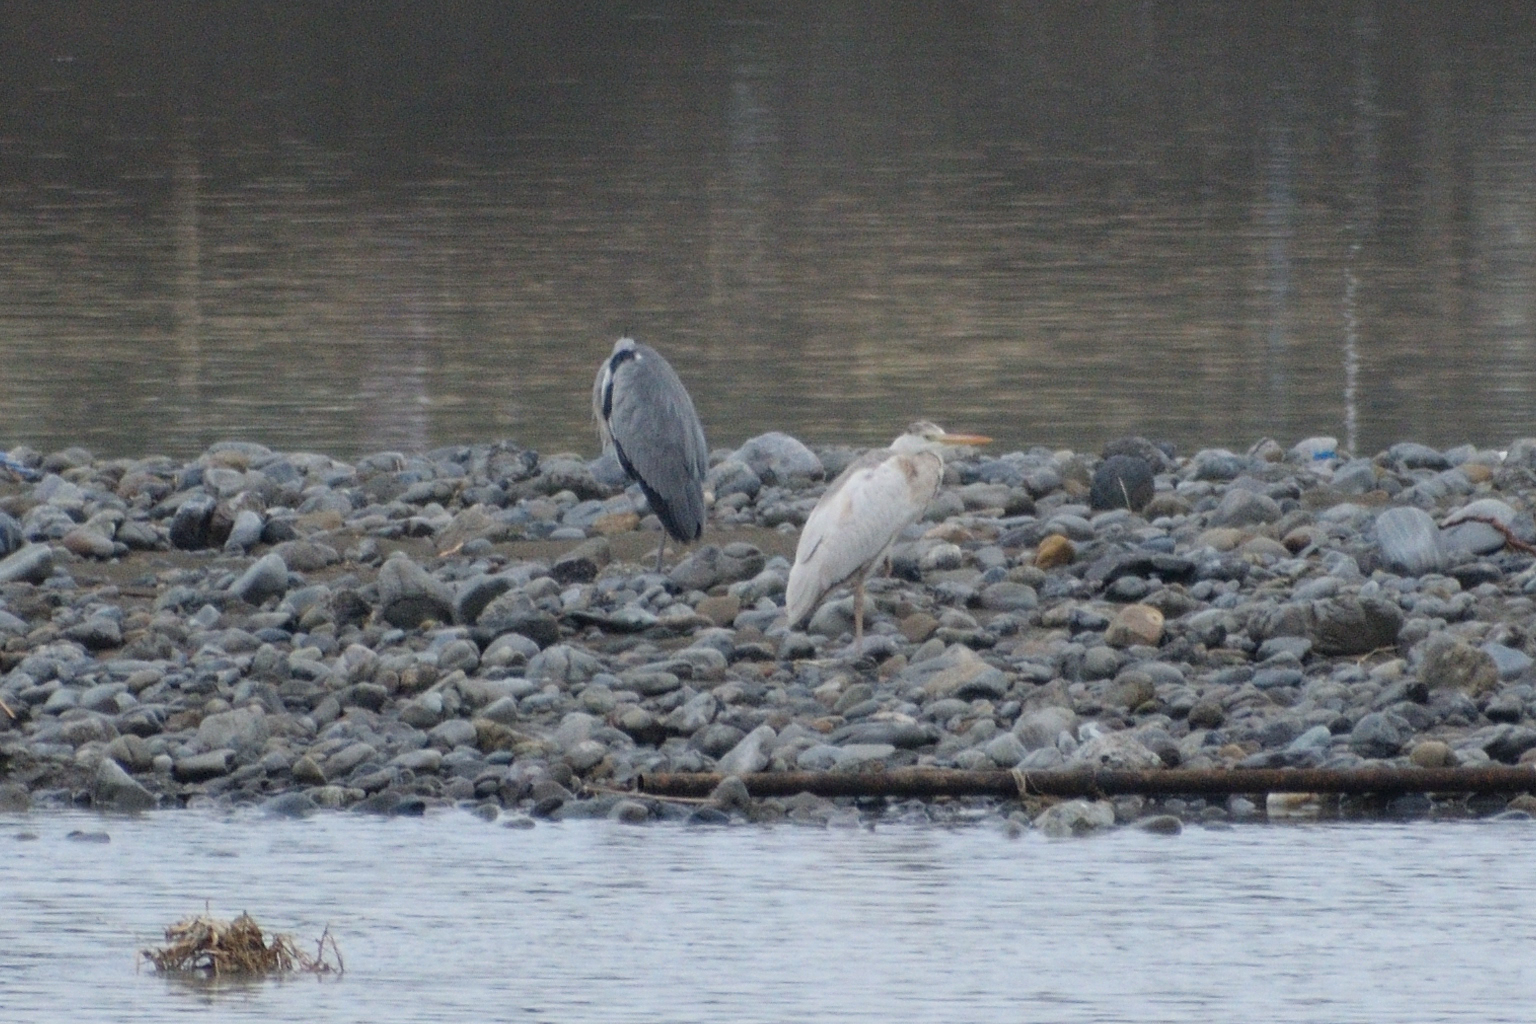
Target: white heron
[(852, 527), (644, 414)]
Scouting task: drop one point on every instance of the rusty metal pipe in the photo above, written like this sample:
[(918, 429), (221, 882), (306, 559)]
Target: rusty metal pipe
[(927, 783)]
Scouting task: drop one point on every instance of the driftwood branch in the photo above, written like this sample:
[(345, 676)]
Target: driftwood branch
[(927, 783), (1510, 540)]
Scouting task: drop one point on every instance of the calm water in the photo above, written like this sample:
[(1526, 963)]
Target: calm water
[(453, 919), (351, 227)]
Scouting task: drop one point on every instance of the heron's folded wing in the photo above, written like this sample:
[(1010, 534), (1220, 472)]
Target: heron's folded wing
[(653, 423), (856, 520)]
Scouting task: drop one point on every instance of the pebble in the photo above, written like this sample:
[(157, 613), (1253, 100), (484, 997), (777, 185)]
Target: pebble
[(1135, 624)]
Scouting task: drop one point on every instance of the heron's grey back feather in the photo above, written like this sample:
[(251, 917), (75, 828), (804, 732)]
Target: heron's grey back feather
[(645, 413)]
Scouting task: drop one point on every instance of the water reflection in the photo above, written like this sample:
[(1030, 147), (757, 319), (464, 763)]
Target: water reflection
[(349, 229)]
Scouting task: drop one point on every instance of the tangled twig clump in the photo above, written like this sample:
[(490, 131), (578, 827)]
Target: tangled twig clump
[(215, 947)]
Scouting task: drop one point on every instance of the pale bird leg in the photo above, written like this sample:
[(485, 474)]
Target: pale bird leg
[(661, 550), (858, 617)]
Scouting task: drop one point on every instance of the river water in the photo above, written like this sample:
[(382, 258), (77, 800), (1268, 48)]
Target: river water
[(450, 918), (397, 225)]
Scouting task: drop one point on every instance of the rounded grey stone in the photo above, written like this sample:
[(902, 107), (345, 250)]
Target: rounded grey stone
[(1409, 541)]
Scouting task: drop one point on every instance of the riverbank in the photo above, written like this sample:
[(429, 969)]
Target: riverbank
[(482, 625)]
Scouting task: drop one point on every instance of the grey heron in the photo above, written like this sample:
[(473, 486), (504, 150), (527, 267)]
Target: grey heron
[(644, 414), (852, 527)]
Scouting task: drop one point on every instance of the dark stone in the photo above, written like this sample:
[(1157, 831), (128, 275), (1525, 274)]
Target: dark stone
[(385, 802), (716, 739), (411, 807), (581, 565), (898, 734), (1510, 742), (1157, 454), (1206, 714), (190, 525), (1122, 481), (113, 789), (82, 836), (641, 726), (1376, 735), (12, 536), (1409, 805), (539, 626), (711, 564), (410, 596), (97, 633), (307, 555), (1269, 678), (1161, 824), (1505, 708), (1412, 455), (349, 608), (14, 798), (202, 767), (1167, 567), (1475, 574), (1354, 626), (474, 594), (547, 807), (1279, 732), (371, 696), (1482, 805), (291, 805), (278, 531)]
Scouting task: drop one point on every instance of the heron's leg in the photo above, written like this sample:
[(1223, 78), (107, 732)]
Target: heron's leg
[(661, 550), (858, 617)]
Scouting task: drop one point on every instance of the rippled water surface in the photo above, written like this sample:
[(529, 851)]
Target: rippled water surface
[(351, 227), (450, 918)]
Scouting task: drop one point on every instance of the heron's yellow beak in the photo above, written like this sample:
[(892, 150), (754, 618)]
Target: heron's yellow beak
[(959, 439)]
